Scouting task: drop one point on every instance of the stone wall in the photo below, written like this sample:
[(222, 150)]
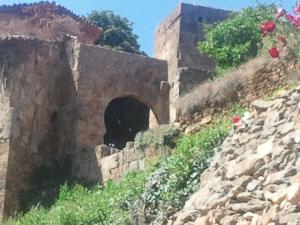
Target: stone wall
[(53, 96), (104, 75), (32, 74), (45, 21), (257, 78), (255, 178), (176, 40), (113, 164)]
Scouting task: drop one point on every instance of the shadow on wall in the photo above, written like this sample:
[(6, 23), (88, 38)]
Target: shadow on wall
[(40, 158), (45, 184)]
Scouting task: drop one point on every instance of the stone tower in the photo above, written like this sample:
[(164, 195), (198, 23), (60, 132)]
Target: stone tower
[(176, 40)]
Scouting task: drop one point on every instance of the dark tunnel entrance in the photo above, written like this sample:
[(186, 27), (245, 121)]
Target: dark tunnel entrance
[(124, 118)]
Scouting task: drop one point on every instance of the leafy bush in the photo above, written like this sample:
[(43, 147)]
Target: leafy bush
[(236, 39), (176, 178)]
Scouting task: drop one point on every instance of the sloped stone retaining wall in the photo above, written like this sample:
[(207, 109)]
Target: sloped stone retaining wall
[(255, 79)]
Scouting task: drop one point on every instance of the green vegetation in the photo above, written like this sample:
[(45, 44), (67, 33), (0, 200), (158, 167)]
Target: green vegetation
[(108, 205), (117, 31), (236, 39), (164, 137), (176, 178), (160, 190)]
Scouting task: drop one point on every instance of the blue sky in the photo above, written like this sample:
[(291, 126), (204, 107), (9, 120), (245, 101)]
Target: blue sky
[(147, 14)]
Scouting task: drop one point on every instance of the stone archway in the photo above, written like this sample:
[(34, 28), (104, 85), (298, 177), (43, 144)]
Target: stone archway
[(124, 118)]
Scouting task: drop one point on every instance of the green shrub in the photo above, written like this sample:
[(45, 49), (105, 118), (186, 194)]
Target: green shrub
[(146, 196), (176, 178), (236, 39)]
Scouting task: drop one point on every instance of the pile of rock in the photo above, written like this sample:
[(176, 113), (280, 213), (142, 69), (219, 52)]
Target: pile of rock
[(255, 178)]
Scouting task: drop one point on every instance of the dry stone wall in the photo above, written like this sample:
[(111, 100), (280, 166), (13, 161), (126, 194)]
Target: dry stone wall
[(257, 78), (104, 163), (117, 165), (255, 178)]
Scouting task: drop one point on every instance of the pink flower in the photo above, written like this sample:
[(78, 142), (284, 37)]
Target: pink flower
[(290, 17), (274, 52), (297, 9), (280, 12), (267, 27), (296, 21), (235, 119)]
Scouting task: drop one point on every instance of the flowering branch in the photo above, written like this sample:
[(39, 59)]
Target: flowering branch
[(284, 20)]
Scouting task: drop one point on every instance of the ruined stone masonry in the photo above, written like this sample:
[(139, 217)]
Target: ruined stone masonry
[(55, 87), (255, 178), (255, 79)]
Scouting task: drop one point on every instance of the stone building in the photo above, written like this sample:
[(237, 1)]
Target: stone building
[(61, 96), (45, 21), (176, 41)]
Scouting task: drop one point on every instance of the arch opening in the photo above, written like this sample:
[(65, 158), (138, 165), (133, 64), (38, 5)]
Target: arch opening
[(124, 118)]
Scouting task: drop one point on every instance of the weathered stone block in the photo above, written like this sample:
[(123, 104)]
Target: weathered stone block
[(102, 151), (110, 162), (130, 155), (134, 165)]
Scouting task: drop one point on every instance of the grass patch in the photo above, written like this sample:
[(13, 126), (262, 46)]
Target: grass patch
[(108, 205)]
